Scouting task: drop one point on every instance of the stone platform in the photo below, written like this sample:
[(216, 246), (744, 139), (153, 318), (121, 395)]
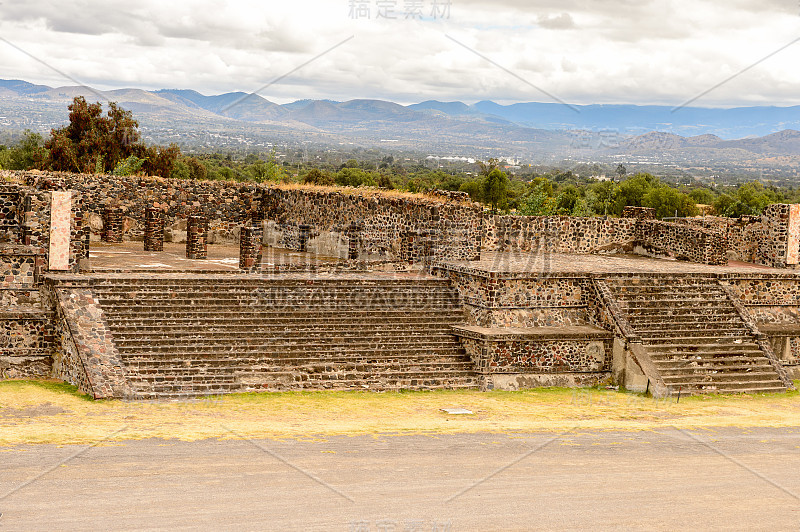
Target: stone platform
[(129, 256), (658, 324), (569, 264)]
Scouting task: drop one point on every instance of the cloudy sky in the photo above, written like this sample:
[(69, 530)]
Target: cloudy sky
[(579, 51)]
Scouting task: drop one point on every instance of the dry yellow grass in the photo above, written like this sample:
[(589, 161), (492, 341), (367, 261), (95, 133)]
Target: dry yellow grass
[(40, 412)]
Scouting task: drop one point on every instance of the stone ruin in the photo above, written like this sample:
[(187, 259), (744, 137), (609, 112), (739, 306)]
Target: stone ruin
[(457, 322)]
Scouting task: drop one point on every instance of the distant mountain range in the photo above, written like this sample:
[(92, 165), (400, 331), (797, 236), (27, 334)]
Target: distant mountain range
[(538, 131)]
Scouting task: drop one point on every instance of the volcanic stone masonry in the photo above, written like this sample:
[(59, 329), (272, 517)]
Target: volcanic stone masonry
[(154, 229), (113, 225), (250, 248), (196, 229)]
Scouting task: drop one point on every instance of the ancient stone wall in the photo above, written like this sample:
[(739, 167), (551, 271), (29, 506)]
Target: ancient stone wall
[(385, 225), (774, 248), (569, 234), (560, 234), (9, 213), (770, 239), (683, 242)]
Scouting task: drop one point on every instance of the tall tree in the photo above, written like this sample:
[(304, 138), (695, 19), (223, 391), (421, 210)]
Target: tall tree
[(92, 142), (495, 188)]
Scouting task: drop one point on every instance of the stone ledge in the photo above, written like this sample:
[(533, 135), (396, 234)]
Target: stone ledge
[(780, 329), (498, 334), (28, 314), (521, 381)]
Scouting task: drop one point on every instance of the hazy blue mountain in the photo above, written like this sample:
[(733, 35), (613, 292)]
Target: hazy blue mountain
[(633, 119), (541, 131), (22, 87)]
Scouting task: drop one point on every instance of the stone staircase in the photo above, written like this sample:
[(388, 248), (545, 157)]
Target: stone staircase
[(695, 336), (198, 335)]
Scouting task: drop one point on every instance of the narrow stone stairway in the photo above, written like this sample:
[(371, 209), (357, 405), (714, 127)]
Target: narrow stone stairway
[(195, 335), (694, 335)]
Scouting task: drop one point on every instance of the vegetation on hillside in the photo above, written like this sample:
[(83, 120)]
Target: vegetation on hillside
[(96, 143)]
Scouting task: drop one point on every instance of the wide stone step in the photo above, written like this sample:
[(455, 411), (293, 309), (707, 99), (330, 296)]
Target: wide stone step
[(722, 345), (150, 365), (691, 312), (290, 336), (280, 342), (312, 326), (757, 386), (332, 373), (669, 332), (699, 355), (333, 305), (680, 366), (305, 290), (280, 322), (144, 313), (684, 322), (677, 296), (289, 350), (273, 291), (721, 377), (675, 304), (723, 329), (696, 338)]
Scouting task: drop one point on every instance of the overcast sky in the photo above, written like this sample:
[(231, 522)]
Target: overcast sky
[(579, 51)]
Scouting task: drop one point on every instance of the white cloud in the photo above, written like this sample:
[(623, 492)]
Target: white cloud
[(636, 51)]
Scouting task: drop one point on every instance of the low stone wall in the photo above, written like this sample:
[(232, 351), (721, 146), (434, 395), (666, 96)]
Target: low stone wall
[(26, 344), (559, 234), (19, 264), (326, 221), (9, 213), (495, 299), (772, 239), (513, 358), (684, 243), (570, 234), (444, 225)]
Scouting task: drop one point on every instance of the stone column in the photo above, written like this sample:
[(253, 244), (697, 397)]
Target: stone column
[(305, 233), (154, 229), (353, 233), (113, 225), (196, 247), (250, 247)]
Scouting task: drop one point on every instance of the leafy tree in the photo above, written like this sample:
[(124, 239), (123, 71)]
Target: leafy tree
[(631, 192), (473, 188), (749, 199), (159, 160), (567, 199), (385, 182), (621, 171), (28, 153), (197, 170), (92, 142), (270, 170), (180, 170), (129, 166), (495, 189), (600, 196), (537, 202), (669, 202), (315, 176), (703, 196)]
